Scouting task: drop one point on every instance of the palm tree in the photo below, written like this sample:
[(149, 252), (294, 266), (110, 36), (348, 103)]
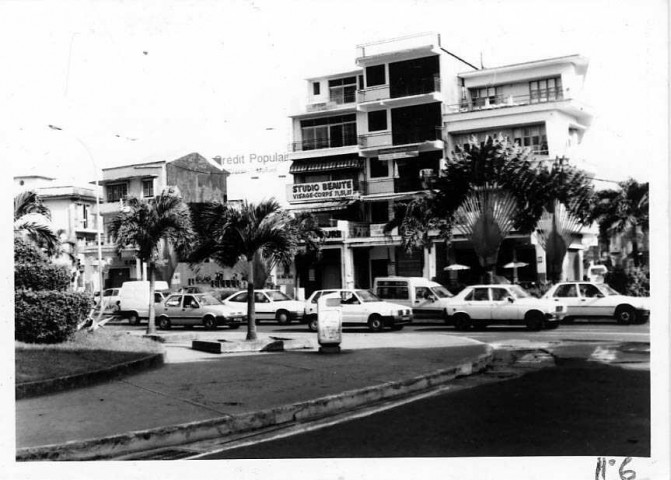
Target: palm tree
[(150, 226), (32, 221), (310, 239), (254, 233), (484, 191), (623, 211)]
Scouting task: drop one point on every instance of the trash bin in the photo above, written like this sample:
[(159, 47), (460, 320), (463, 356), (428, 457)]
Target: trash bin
[(329, 323)]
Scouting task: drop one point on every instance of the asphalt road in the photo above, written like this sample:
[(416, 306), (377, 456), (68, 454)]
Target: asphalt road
[(581, 407)]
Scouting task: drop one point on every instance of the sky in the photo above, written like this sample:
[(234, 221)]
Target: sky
[(127, 82)]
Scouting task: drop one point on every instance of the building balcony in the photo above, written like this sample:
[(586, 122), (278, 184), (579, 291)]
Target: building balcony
[(419, 91), (323, 143), (390, 186), (537, 101), (111, 208), (377, 140)]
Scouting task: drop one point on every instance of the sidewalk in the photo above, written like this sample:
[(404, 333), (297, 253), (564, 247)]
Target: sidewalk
[(198, 395)]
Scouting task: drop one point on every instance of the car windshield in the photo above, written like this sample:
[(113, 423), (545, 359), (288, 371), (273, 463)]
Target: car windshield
[(607, 289), (277, 296), (208, 299), (519, 292), (367, 296), (442, 292)]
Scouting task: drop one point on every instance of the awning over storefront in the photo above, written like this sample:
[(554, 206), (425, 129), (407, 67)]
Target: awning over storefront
[(321, 206), (322, 164)]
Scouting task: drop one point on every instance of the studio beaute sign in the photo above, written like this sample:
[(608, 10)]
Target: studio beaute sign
[(332, 190)]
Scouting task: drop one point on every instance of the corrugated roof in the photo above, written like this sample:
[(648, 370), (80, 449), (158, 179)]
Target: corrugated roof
[(321, 165)]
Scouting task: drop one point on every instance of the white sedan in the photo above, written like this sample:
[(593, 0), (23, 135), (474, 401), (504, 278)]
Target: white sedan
[(599, 300), (361, 307), (482, 305), (269, 305)]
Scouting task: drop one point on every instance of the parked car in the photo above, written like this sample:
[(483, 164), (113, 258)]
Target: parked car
[(482, 305), (599, 300), (190, 309), (426, 298), (361, 307), (110, 299), (134, 299), (270, 305)]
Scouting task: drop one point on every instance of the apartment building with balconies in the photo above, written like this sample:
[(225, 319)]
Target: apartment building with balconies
[(367, 137), (197, 181)]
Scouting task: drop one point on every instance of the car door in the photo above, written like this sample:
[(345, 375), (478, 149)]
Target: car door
[(478, 304), (191, 311), (425, 304), (594, 302), (567, 293), (502, 307), (264, 307), (352, 308), (172, 307)]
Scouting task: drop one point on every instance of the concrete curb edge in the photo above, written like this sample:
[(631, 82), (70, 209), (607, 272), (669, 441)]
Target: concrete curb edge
[(53, 385), (176, 435)]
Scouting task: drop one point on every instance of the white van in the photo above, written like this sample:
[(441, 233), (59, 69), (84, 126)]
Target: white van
[(134, 299), (426, 298)]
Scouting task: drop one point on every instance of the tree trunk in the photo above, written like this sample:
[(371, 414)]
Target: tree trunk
[(151, 324), (251, 311)]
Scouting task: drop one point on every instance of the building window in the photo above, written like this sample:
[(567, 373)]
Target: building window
[(377, 121), (378, 168), (546, 90), (328, 132), (117, 192), (342, 90), (148, 188), (379, 212), (315, 88), (533, 137), (375, 76), (486, 96)]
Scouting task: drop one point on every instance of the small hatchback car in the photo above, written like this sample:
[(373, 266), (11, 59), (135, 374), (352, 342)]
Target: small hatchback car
[(269, 305), (482, 305), (197, 309)]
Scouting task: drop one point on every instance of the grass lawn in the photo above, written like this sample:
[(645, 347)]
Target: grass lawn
[(83, 353)]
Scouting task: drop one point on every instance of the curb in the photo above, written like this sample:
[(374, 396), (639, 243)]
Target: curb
[(53, 385), (177, 435)]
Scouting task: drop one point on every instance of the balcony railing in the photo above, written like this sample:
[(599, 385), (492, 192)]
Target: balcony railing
[(403, 137), (420, 86), (503, 101), (319, 143)]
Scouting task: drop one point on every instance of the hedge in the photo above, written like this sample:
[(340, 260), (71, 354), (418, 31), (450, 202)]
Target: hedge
[(29, 276), (48, 316)]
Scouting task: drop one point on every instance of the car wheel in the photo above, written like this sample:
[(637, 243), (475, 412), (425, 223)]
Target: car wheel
[(312, 323), (209, 323), (282, 317), (164, 323), (375, 323), (133, 319), (625, 315), (462, 322), (534, 321), (234, 326)]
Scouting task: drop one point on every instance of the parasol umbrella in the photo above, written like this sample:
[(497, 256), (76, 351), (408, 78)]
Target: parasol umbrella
[(515, 265), (456, 266)]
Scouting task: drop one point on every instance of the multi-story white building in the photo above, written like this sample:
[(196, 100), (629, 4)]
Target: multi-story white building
[(366, 136)]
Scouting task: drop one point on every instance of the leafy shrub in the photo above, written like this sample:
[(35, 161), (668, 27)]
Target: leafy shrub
[(47, 276), (48, 316), (633, 281), (25, 252)]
